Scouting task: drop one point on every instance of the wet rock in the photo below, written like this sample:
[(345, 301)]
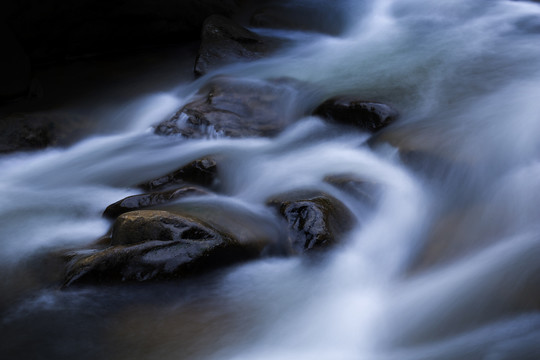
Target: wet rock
[(315, 220), (157, 245), (142, 201), (364, 190), (201, 172), (237, 107), (366, 115), (139, 226), (223, 41), (23, 132)]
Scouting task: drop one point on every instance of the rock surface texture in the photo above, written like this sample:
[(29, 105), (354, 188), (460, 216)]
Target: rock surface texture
[(200, 172), (315, 220), (157, 245), (366, 115), (236, 107)]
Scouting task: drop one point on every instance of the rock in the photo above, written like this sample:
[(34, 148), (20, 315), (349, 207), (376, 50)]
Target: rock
[(366, 191), (237, 107), (201, 172), (139, 226), (142, 201), (315, 220), (157, 245), (366, 115), (23, 132), (223, 41)]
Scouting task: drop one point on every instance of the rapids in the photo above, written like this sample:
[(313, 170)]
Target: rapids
[(444, 267)]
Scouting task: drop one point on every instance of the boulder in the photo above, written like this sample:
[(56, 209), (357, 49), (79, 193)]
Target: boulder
[(237, 107), (366, 115), (23, 132), (142, 201), (224, 41), (200, 172), (315, 220), (157, 245)]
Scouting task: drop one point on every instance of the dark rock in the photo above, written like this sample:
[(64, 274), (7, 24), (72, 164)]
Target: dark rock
[(223, 41), (157, 245), (366, 115), (142, 201), (201, 172), (236, 107), (315, 220), (23, 132)]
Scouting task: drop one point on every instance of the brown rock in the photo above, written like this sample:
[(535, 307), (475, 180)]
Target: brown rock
[(157, 245)]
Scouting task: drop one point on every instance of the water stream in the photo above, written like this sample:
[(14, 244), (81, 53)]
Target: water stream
[(445, 266)]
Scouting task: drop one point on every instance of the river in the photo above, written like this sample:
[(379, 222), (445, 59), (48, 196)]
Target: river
[(445, 266)]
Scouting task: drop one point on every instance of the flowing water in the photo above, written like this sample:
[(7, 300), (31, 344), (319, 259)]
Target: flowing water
[(445, 266)]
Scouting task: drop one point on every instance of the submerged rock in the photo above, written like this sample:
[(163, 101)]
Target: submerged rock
[(24, 132), (200, 172), (366, 115), (157, 245), (223, 41), (366, 191), (141, 201), (315, 220), (237, 107)]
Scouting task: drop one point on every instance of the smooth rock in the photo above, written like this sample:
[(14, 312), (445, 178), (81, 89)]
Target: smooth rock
[(157, 245), (236, 107), (143, 225), (142, 201), (200, 172), (366, 115), (315, 220)]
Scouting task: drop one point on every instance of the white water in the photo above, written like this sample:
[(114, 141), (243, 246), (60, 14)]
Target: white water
[(444, 267)]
